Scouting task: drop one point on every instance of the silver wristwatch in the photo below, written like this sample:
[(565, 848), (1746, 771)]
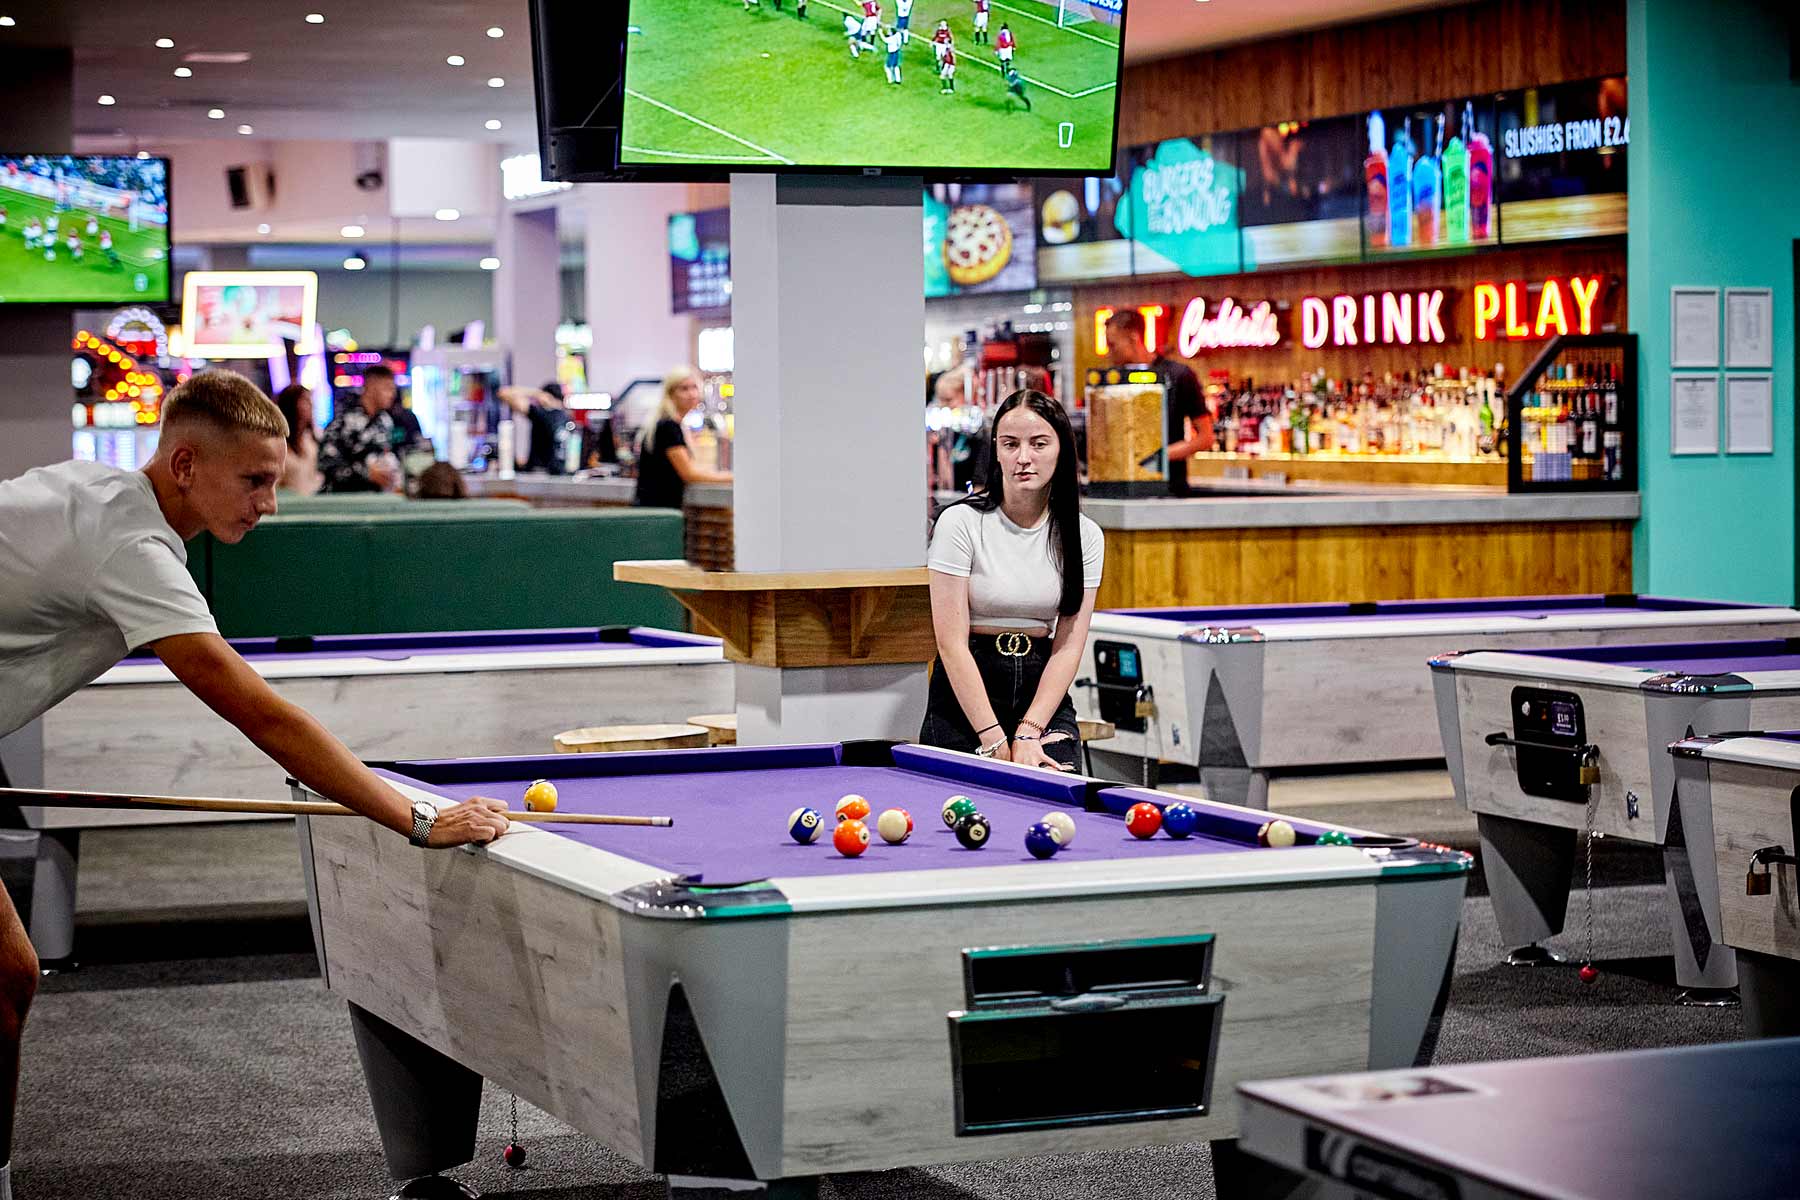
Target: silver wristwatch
[(424, 817)]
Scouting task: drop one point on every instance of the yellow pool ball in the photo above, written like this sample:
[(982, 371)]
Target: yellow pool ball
[(541, 796)]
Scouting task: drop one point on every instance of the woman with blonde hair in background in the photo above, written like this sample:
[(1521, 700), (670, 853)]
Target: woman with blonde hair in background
[(665, 463)]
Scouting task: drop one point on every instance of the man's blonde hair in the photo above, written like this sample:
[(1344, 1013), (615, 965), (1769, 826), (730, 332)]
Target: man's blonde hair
[(224, 400)]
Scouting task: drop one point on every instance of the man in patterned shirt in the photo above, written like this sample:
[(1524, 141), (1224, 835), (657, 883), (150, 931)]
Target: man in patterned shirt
[(357, 452)]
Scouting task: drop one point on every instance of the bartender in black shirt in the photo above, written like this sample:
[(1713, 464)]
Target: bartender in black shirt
[(542, 409), (665, 465), (1190, 427)]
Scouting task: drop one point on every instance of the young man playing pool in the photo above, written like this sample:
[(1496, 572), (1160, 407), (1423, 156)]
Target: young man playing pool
[(92, 565)]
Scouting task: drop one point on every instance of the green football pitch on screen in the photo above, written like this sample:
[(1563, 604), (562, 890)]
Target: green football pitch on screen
[(761, 84)]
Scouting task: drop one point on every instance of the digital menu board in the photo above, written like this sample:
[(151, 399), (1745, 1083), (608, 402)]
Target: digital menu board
[(1302, 198), (1078, 229), (1182, 207), (700, 261), (1428, 178), (979, 237), (1562, 160)]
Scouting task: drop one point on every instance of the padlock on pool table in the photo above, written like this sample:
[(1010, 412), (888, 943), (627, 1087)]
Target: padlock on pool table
[(1144, 706), (1758, 883), (1588, 772)]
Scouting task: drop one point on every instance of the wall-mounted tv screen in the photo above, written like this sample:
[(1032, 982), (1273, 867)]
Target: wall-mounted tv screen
[(83, 229), (1303, 193), (700, 262), (1181, 206), (1078, 229), (247, 314), (979, 237), (1561, 154), (1428, 178), (935, 87)]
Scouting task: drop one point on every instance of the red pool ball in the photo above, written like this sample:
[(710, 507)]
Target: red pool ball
[(851, 838), (1143, 819)]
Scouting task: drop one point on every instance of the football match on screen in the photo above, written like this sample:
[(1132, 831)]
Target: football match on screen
[(77, 229), (929, 84)]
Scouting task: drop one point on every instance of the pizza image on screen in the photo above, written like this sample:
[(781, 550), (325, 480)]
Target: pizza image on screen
[(977, 244)]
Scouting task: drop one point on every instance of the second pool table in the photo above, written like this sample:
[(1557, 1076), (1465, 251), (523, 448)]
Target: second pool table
[(719, 1002)]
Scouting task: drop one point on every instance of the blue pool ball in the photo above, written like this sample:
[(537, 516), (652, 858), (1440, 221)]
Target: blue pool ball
[(1180, 819), (1041, 840), (804, 825)]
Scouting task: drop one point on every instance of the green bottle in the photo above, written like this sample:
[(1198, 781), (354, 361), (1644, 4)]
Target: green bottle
[(1456, 184)]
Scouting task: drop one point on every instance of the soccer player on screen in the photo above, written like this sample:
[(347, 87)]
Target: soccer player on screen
[(853, 32), (871, 22), (1004, 46), (947, 70), (106, 248), (903, 19), (1015, 83), (941, 40), (74, 244), (894, 39), (981, 21)]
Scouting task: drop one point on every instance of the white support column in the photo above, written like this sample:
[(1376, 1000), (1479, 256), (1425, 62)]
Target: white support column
[(827, 308), (528, 291)]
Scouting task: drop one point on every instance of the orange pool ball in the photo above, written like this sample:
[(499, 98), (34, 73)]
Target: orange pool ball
[(852, 808), (851, 838)]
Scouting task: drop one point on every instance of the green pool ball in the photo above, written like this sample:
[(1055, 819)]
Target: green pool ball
[(1334, 837), (955, 809)]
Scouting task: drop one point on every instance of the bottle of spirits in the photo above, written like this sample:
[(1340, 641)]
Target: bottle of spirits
[(1426, 181), (1375, 184), (1481, 179), (1400, 187), (1456, 185)]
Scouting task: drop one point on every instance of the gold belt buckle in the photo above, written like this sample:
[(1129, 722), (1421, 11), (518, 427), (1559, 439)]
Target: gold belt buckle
[(1013, 645)]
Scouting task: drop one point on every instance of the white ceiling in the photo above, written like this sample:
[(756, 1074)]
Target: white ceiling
[(376, 68)]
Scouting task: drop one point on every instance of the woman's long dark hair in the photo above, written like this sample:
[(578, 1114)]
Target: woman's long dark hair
[(1065, 492), (288, 401)]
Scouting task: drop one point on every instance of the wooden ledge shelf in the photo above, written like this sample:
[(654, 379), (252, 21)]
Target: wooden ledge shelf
[(849, 617)]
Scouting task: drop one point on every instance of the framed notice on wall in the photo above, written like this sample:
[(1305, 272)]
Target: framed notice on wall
[(1750, 327), (1749, 414), (1693, 327), (1694, 414)]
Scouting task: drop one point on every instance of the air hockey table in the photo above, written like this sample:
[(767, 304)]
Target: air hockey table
[(1751, 783), (1245, 693), (1715, 1122), (1542, 743), (723, 1004), (137, 729)]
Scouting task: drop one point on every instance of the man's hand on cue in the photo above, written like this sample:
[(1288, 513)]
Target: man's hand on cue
[(478, 821)]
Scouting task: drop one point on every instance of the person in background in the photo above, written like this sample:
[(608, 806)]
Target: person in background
[(300, 473), (1190, 428), (1014, 571), (542, 410), (441, 481), (357, 454), (93, 566), (665, 464)]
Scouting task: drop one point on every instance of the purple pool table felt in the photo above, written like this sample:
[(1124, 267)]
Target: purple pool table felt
[(731, 826), (1705, 658), (398, 647), (1274, 616)]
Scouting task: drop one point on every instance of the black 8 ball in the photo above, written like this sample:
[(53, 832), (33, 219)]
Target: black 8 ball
[(973, 831)]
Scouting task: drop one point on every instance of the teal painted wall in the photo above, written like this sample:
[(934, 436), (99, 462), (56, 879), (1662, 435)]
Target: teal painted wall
[(1714, 174)]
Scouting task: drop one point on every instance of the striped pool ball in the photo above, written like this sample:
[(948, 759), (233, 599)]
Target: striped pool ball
[(852, 808), (1277, 833), (955, 809), (1063, 824), (804, 825), (894, 825)]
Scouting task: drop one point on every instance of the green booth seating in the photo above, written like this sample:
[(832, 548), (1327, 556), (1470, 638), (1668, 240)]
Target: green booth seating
[(437, 565), (382, 503)]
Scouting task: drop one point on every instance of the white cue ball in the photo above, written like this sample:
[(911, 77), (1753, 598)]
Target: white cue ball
[(1062, 825)]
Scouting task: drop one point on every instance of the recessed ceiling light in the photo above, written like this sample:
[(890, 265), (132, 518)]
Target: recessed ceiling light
[(494, 31), (352, 231), (446, 214), (246, 130), (217, 114), (183, 72), (165, 43), (496, 81), (107, 100), (315, 18), (490, 263), (456, 60), (492, 123), (143, 154), (355, 262), (263, 228), (7, 22)]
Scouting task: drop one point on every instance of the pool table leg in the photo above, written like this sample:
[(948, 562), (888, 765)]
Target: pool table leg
[(1527, 865), (1771, 990), (426, 1104), (53, 897)]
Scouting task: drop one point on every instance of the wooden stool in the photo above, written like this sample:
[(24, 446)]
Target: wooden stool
[(721, 728), (1093, 731), (606, 739)]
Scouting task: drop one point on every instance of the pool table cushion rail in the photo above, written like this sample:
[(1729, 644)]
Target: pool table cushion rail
[(1580, 668), (1756, 748)]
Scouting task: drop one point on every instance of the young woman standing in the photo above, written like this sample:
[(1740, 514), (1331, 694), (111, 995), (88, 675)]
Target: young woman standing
[(665, 464), (1014, 570)]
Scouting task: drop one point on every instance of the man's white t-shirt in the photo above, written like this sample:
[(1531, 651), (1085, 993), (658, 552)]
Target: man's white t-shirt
[(1014, 579), (89, 570)]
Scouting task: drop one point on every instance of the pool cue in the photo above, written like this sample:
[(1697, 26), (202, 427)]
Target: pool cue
[(52, 798)]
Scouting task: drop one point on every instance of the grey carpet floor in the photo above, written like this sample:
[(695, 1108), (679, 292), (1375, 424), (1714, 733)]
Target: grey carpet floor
[(196, 1053)]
